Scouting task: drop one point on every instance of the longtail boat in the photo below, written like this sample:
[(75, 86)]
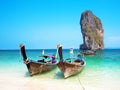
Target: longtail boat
[(69, 68), (38, 66)]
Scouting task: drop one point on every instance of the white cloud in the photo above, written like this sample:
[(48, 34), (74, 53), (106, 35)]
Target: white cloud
[(114, 38), (112, 42)]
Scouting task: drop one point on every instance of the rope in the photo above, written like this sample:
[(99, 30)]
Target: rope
[(81, 83)]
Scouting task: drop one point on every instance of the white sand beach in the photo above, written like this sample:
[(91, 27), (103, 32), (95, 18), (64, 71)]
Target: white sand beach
[(9, 82)]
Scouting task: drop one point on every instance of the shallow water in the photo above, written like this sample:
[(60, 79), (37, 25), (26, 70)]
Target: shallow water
[(102, 69)]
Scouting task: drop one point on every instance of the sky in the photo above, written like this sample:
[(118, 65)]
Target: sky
[(42, 24)]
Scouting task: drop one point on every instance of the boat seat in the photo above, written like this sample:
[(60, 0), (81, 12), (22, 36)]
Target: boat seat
[(41, 60), (78, 60)]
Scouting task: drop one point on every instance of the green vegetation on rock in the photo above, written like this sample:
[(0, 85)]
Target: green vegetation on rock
[(95, 36), (97, 21)]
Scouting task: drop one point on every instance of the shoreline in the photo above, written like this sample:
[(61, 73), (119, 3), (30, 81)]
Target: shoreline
[(101, 73), (34, 83)]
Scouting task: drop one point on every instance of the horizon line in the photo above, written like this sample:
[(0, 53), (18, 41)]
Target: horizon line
[(53, 49)]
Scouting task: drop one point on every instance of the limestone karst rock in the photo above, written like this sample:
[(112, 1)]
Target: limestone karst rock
[(92, 32)]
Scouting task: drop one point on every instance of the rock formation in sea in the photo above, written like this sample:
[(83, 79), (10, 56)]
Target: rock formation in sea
[(92, 32)]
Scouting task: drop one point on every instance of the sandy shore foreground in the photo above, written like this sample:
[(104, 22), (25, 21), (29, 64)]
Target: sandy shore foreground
[(8, 82), (34, 84)]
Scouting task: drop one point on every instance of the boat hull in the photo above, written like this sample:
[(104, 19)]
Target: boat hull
[(35, 68), (70, 69)]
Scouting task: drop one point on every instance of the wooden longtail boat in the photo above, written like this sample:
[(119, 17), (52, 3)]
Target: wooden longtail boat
[(35, 67), (69, 68)]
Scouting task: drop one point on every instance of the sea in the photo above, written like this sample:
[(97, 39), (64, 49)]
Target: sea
[(102, 69)]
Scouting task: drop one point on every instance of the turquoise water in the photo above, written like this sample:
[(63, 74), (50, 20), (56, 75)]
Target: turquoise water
[(101, 68)]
